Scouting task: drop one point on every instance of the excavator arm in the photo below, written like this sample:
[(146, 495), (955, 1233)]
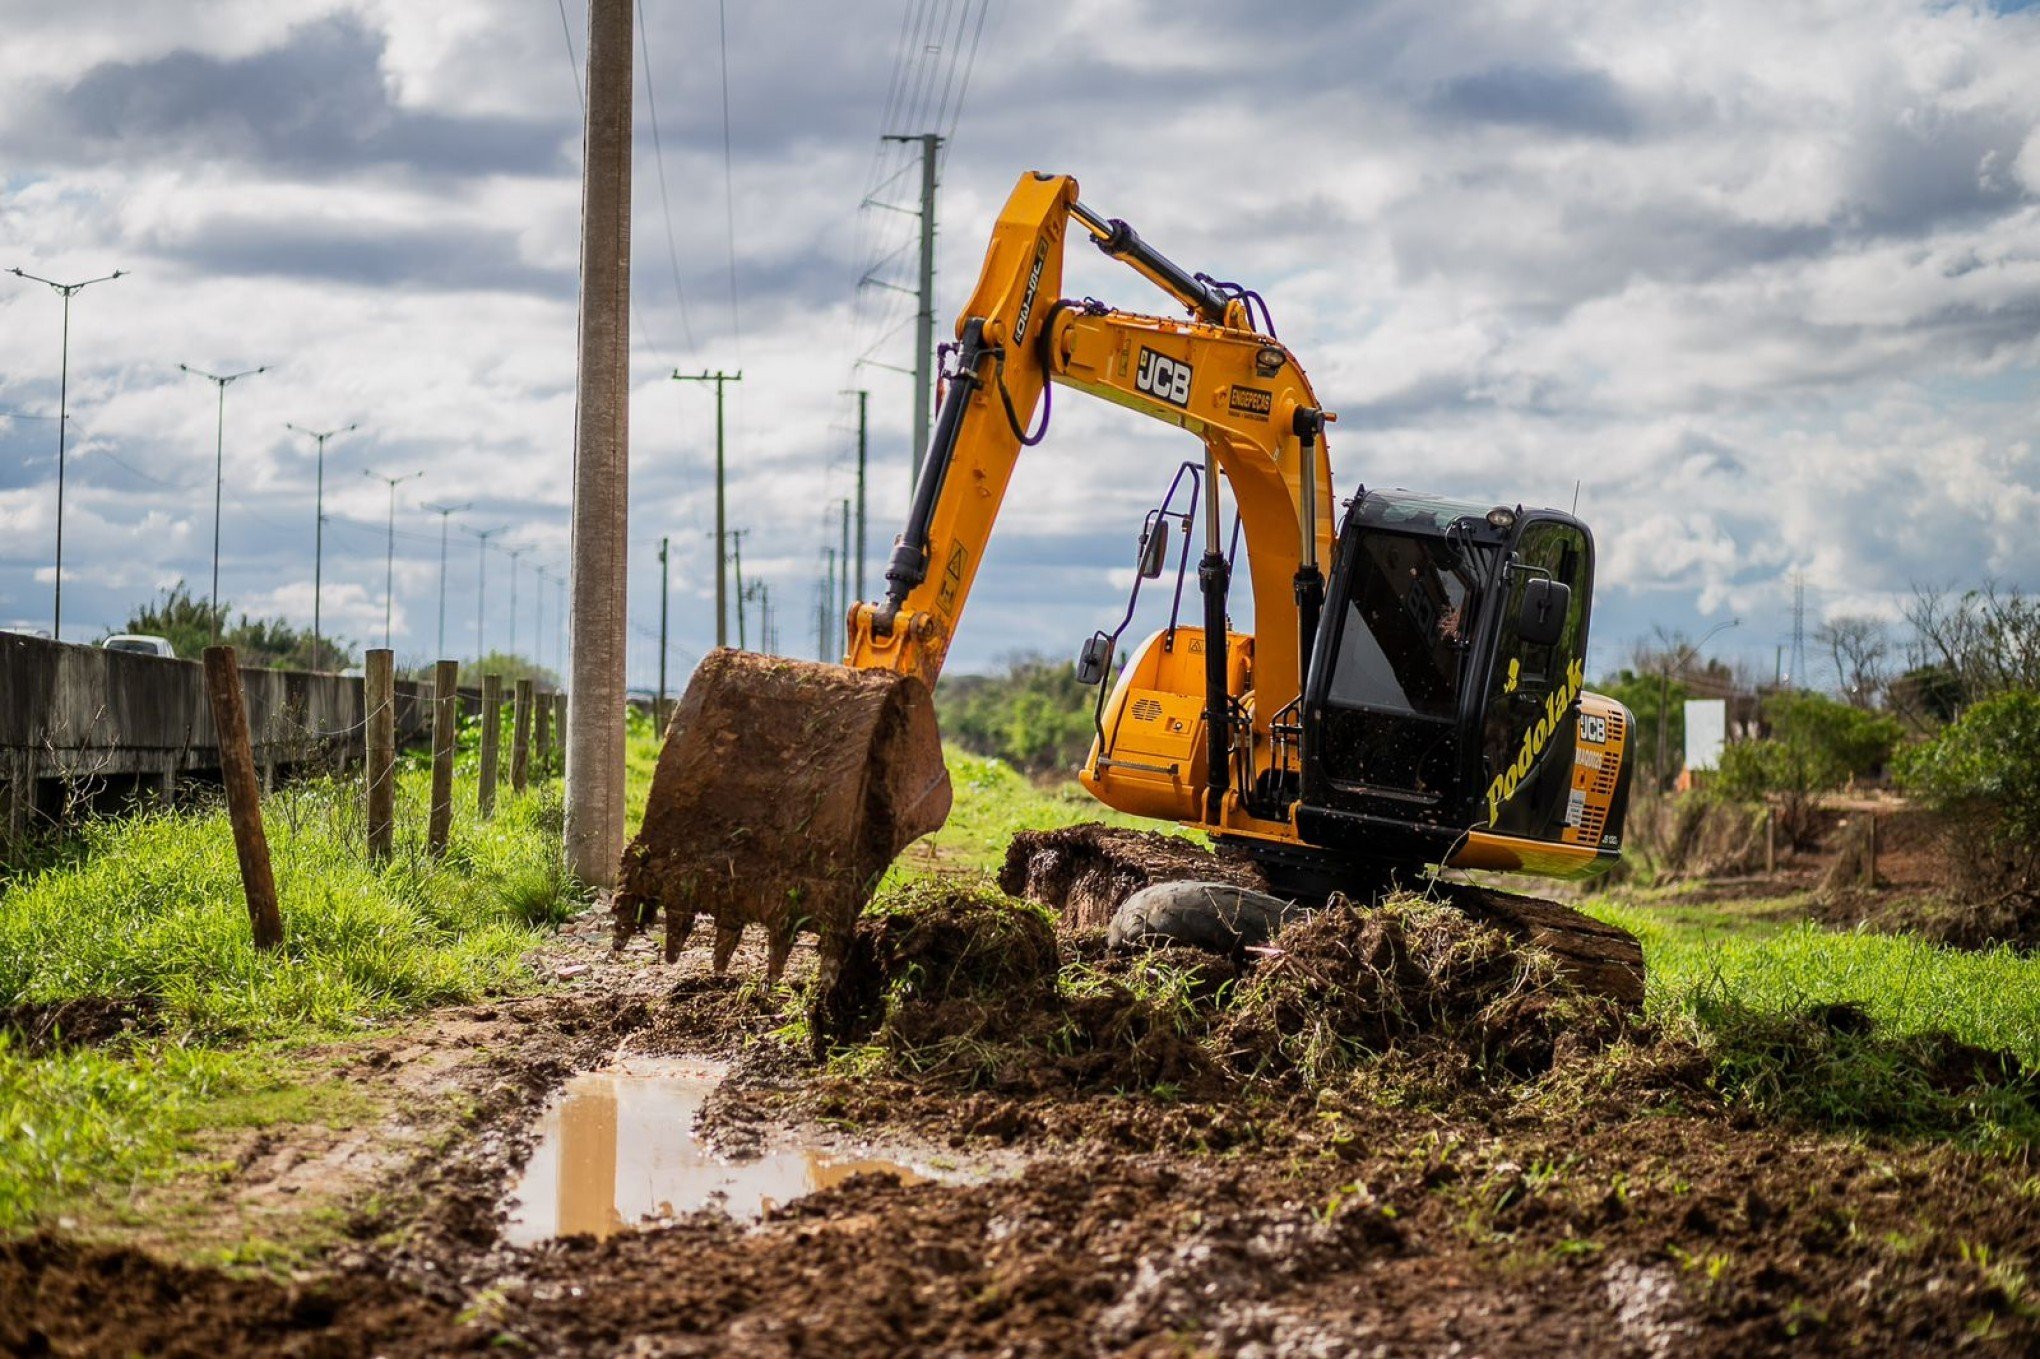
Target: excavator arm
[(1239, 391), (786, 787)]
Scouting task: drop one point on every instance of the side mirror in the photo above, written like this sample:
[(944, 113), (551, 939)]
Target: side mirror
[(1095, 659), (1154, 549), (1545, 606)]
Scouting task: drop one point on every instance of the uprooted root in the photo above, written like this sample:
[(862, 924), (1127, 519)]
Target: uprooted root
[(1349, 982)]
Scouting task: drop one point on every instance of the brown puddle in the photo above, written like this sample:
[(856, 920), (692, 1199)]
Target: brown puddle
[(617, 1151)]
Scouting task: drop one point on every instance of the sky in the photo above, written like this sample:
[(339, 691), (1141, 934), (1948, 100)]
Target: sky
[(1757, 286)]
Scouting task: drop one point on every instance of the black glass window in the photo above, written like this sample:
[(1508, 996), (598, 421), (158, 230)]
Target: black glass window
[(1402, 642)]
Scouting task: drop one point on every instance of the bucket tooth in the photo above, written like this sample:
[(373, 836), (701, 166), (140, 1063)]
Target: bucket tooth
[(778, 945), (726, 939), (679, 924)]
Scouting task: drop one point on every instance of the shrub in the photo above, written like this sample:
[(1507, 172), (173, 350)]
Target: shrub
[(1816, 744), (1983, 774)]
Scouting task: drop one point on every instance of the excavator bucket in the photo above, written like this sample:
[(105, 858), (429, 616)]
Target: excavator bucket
[(783, 790)]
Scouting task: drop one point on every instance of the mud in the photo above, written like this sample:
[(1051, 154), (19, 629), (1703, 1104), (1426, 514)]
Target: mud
[(1418, 1194), (1083, 872), (87, 1021)]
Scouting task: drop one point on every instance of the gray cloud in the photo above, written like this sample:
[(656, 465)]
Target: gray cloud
[(317, 104), (1580, 103)]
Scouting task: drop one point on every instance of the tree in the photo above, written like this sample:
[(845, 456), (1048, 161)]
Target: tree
[(272, 643), (1816, 745), (1858, 646), (1035, 716), (510, 666), (1987, 640), (1983, 775)]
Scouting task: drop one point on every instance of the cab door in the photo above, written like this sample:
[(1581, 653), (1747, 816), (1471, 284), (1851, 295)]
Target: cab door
[(1530, 717)]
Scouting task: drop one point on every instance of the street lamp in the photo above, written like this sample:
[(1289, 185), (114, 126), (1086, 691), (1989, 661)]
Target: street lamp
[(66, 291), (1686, 654), (482, 537), (319, 528), (220, 381), (443, 511), (390, 556)]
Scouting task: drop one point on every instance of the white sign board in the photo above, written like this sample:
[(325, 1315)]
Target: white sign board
[(1706, 731)]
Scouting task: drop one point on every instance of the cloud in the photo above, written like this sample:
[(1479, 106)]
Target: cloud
[(1762, 281)]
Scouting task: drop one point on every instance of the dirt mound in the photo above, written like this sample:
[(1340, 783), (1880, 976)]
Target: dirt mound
[(958, 987), (83, 1021), (1084, 872), (782, 792), (1350, 981)]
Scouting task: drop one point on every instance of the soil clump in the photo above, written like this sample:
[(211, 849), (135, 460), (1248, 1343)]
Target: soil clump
[(84, 1021)]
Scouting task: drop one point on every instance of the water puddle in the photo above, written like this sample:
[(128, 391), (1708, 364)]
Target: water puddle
[(617, 1151)]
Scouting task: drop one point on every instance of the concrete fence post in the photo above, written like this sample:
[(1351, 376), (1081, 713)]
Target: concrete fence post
[(543, 737)]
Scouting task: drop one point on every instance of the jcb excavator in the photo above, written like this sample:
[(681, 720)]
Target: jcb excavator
[(1411, 693)]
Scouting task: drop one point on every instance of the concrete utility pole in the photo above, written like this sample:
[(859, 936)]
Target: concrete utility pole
[(659, 710), (825, 597), (843, 577), (722, 610), (319, 524), (219, 477), (66, 291), (538, 623), (863, 444), (443, 511), (601, 574), (737, 556), (924, 319), (390, 555), (481, 537)]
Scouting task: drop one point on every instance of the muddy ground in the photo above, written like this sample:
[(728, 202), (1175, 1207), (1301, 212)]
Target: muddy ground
[(1595, 1199)]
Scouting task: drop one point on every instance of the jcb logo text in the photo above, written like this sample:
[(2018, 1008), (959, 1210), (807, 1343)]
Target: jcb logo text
[(1159, 375)]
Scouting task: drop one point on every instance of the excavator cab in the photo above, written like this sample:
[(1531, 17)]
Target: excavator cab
[(1444, 710)]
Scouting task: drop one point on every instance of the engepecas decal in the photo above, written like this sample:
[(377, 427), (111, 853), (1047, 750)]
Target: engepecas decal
[(1557, 704)]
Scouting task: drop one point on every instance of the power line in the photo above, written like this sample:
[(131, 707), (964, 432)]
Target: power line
[(659, 160), (729, 177)]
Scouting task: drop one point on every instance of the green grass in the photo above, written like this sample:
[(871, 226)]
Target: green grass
[(1782, 1010), (994, 801), (150, 905), (1909, 986)]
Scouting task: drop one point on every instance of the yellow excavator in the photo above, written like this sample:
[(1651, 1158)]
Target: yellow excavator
[(1411, 693)]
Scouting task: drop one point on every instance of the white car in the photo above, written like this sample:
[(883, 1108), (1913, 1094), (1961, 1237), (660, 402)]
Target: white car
[(141, 641)]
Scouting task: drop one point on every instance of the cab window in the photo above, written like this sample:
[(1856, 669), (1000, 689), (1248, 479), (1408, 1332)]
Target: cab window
[(1402, 640)]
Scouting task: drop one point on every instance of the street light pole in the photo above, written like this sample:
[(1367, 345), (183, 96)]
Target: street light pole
[(482, 537), (66, 291), (390, 556), (319, 524), (443, 511), (514, 553), (221, 381)]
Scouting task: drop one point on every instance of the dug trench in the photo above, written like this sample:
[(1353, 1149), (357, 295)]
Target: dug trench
[(1396, 1130)]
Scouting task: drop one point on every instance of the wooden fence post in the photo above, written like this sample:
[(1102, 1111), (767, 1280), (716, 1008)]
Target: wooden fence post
[(1770, 839), (543, 738), (379, 701), (445, 717), (492, 739), (520, 736), (560, 729), (1870, 852), (244, 794)]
